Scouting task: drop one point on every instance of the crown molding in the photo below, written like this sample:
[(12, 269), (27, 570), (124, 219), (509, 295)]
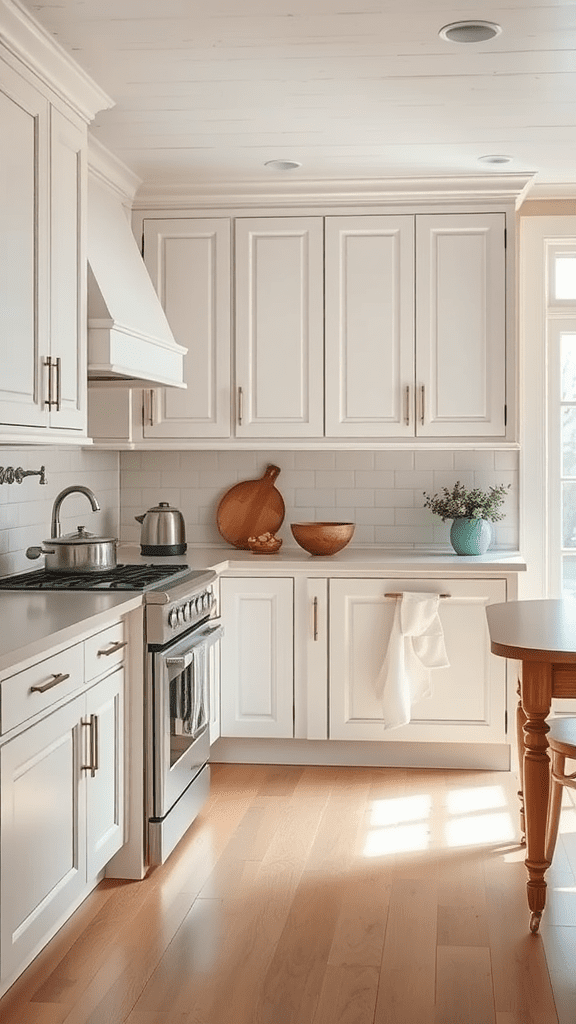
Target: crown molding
[(369, 191), (28, 41), (553, 190), (108, 169)]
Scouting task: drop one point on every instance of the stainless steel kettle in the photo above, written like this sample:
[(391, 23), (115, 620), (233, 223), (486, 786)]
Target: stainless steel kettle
[(163, 531)]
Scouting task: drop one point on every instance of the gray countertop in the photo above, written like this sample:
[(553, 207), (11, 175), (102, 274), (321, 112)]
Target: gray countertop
[(350, 560), (31, 624)]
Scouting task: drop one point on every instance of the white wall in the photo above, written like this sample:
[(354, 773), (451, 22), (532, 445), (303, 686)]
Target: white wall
[(26, 508), (380, 491)]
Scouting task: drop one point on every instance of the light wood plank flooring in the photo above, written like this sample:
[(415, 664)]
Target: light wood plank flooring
[(318, 896)]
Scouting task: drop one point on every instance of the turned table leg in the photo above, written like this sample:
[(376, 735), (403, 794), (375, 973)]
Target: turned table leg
[(536, 699), (520, 720)]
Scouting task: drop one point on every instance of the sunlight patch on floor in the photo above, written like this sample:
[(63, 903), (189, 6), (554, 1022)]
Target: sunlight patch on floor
[(460, 818)]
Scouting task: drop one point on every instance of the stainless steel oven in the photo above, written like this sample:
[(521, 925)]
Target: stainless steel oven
[(178, 741)]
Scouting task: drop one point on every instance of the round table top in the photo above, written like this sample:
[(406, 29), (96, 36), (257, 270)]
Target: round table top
[(534, 630)]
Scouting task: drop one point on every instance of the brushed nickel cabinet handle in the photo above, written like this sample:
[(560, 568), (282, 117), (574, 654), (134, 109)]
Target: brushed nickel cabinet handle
[(92, 726), (240, 406), (431, 595), (315, 619), (113, 648), (56, 678), (58, 367), (407, 407), (48, 364), (422, 400)]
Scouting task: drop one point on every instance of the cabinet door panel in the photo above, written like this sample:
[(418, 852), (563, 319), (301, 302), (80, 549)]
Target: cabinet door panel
[(257, 658), (42, 832), (468, 698), (460, 325), (279, 327), (369, 326), (24, 260), (68, 271), (105, 789), (189, 262)]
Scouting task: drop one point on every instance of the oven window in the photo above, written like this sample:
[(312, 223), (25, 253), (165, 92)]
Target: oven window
[(188, 710)]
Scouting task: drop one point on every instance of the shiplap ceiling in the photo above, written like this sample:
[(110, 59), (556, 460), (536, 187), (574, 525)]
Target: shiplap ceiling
[(209, 90)]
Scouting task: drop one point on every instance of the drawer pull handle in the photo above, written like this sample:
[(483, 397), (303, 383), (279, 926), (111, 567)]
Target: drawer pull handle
[(56, 678), (93, 760), (431, 595), (315, 618), (113, 648)]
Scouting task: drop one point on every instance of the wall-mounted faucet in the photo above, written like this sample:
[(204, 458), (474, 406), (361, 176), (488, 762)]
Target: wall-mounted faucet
[(56, 529)]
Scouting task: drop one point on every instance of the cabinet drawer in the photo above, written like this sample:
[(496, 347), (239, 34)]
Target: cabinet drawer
[(38, 687), (104, 650)]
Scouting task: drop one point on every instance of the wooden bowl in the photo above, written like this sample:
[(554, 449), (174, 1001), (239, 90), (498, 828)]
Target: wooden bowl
[(322, 538)]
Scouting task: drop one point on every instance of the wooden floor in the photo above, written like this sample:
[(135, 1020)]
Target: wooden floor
[(312, 896)]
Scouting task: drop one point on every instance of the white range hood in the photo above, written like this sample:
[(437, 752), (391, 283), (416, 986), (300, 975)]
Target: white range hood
[(130, 343)]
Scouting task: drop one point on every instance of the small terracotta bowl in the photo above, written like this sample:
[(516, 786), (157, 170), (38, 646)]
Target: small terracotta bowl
[(264, 547), (322, 538)]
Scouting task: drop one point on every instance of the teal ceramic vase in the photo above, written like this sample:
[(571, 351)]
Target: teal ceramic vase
[(471, 536)]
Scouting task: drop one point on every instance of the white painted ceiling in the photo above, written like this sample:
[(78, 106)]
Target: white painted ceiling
[(209, 90)]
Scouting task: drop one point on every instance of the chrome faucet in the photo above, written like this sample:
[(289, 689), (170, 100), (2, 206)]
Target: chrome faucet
[(56, 529)]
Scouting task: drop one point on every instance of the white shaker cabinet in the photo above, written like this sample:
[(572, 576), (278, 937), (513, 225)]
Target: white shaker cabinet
[(370, 326), (62, 783), (468, 701), (257, 657), (279, 327), (416, 326), (189, 263), (24, 253), (42, 266), (460, 380)]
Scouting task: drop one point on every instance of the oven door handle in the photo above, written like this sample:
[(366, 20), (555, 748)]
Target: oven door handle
[(206, 637)]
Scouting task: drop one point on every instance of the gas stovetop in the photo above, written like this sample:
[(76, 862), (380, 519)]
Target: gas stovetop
[(122, 577)]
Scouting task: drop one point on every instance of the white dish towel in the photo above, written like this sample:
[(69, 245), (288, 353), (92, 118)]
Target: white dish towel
[(415, 647)]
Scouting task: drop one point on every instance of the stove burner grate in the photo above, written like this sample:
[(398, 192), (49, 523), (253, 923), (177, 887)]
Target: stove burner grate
[(122, 577)]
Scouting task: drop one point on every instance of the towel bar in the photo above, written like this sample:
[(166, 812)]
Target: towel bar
[(431, 595)]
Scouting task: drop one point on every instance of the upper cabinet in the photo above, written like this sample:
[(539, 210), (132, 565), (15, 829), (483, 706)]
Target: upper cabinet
[(366, 328), (279, 327), (415, 326), (189, 263), (42, 231)]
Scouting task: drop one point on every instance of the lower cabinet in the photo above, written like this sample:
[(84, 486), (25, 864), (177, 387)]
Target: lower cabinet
[(61, 794), (468, 701), (257, 657)]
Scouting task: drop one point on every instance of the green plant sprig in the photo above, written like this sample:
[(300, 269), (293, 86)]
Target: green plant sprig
[(470, 504)]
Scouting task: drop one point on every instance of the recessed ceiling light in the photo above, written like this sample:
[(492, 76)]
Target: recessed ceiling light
[(283, 165), (469, 31), (495, 158)]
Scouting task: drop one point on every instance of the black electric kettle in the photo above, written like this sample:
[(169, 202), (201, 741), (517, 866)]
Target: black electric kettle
[(163, 531)]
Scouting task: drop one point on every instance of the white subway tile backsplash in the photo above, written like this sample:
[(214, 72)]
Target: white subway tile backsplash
[(335, 478), (382, 491), (315, 496), (354, 460), (434, 460), (359, 497), (476, 460), (394, 497), (394, 460), (314, 460), (374, 478), (418, 479)]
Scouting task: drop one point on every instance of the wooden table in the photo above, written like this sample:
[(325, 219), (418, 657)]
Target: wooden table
[(542, 635)]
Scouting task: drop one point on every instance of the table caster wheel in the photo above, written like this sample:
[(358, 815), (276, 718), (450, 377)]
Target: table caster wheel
[(535, 921)]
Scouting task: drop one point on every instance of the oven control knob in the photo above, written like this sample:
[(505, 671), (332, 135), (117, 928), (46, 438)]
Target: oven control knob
[(173, 619), (198, 605), (185, 610), (206, 600)]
